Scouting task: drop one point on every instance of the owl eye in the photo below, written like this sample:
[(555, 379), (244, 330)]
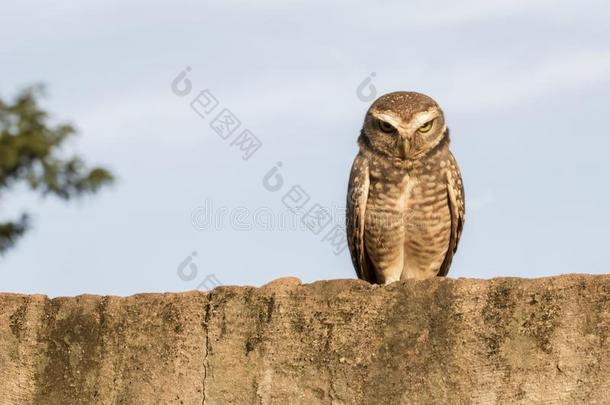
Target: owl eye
[(386, 127), (426, 127)]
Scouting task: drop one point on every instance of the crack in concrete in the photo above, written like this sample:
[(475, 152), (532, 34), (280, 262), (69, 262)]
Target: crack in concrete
[(207, 346)]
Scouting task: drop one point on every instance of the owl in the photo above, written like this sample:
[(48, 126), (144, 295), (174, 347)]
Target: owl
[(405, 200)]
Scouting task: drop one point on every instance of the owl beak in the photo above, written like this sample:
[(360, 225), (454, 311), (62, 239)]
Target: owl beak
[(406, 147)]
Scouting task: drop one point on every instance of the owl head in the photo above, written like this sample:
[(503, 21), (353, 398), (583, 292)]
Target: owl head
[(403, 125)]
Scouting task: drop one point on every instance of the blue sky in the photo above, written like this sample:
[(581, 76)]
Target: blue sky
[(525, 87)]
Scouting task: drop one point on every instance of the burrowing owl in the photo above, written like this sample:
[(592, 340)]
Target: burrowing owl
[(405, 198)]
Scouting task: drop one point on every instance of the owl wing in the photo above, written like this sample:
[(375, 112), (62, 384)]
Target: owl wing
[(455, 197), (357, 194)]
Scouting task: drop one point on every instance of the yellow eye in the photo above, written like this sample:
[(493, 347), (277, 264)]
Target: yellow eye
[(386, 127), (426, 127)]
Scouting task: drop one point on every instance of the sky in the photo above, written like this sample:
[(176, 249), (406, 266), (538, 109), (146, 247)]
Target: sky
[(525, 87)]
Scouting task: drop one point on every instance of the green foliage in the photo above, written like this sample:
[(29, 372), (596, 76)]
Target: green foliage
[(30, 154)]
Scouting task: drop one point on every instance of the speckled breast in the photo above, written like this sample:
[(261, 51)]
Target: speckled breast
[(408, 217)]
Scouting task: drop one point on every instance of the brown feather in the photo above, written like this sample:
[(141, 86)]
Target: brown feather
[(455, 196), (356, 207)]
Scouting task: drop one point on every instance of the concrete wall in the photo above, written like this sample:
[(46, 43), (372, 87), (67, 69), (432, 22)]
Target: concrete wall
[(332, 342)]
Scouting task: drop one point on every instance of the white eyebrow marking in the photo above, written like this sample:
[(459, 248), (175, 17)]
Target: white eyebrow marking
[(423, 117), (390, 118), (416, 121)]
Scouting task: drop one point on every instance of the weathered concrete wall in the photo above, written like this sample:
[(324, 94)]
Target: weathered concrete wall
[(333, 342)]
